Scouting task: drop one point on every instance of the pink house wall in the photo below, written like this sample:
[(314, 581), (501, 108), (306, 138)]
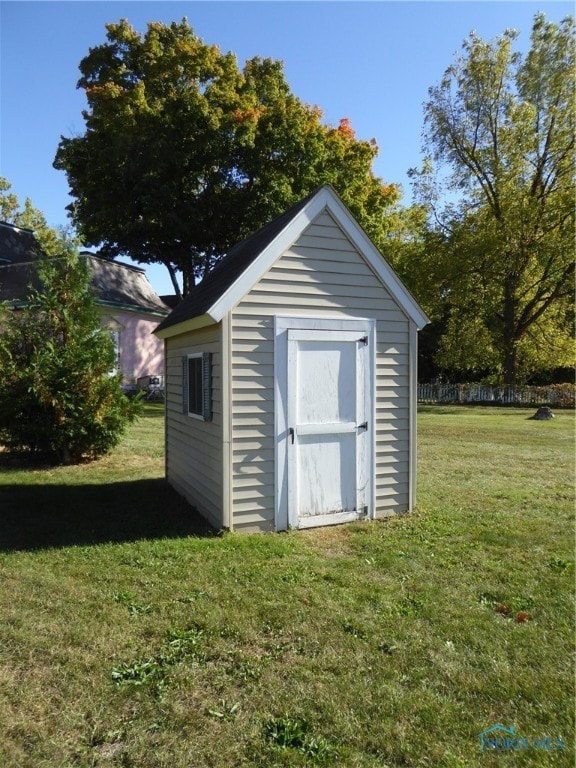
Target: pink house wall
[(141, 353)]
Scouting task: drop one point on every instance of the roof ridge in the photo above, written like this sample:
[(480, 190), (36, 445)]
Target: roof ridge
[(16, 227)]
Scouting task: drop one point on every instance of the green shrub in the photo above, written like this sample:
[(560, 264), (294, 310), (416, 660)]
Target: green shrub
[(58, 395)]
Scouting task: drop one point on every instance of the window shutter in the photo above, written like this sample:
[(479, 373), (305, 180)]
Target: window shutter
[(207, 386), (185, 384)]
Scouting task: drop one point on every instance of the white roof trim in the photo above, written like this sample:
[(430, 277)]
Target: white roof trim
[(376, 261), (325, 198), (201, 321)]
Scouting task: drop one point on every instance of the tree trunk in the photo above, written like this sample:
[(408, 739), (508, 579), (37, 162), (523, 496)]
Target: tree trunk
[(187, 281), (510, 365), (510, 356), (172, 273)]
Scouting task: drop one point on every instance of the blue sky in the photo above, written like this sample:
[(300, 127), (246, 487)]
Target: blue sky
[(371, 62)]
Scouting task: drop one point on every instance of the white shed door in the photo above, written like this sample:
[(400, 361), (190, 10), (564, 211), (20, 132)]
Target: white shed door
[(328, 448)]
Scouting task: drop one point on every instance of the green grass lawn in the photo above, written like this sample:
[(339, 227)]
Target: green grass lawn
[(131, 635)]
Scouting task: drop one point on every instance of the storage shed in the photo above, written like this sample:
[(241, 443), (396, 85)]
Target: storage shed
[(291, 379)]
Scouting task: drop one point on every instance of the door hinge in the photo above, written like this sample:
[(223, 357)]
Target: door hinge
[(364, 340), (364, 425)]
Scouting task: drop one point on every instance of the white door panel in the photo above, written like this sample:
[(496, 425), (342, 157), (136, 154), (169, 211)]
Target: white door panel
[(327, 388), (326, 474), (328, 405)]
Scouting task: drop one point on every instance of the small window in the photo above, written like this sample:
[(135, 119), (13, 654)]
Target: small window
[(197, 385), (115, 335)]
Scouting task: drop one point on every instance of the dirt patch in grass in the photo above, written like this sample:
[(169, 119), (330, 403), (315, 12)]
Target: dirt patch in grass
[(332, 541)]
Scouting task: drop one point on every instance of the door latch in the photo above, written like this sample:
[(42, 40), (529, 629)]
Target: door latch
[(291, 433)]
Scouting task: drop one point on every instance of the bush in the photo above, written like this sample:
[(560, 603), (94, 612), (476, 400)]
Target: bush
[(58, 394)]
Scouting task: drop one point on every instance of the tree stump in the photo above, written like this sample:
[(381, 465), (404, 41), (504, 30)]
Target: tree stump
[(544, 413)]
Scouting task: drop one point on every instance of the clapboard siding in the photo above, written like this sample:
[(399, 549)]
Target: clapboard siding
[(194, 449), (253, 383), (311, 280), (389, 411), (264, 302), (252, 388), (293, 264), (320, 275), (254, 468), (249, 451), (325, 294)]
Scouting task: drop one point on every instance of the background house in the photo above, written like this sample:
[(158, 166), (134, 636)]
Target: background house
[(128, 305), (291, 378)]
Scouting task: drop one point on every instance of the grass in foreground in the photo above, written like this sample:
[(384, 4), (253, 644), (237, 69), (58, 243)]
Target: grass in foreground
[(132, 636)]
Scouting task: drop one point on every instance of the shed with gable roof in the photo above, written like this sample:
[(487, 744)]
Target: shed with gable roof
[(291, 378)]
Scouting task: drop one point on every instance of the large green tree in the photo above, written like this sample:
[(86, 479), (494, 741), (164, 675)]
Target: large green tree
[(184, 153), (499, 130)]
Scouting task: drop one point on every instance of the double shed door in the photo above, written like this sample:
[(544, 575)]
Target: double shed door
[(328, 414)]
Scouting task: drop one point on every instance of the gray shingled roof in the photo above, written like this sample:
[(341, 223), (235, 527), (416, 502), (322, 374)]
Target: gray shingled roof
[(116, 285), (229, 269), (123, 286), (17, 245)]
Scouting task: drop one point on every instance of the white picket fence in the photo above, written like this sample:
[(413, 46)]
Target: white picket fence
[(557, 394)]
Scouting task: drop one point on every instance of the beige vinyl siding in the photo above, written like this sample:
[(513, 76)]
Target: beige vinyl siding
[(194, 447), (321, 275), (252, 394)]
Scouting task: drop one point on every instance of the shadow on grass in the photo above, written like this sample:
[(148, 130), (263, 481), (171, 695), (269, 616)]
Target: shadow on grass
[(42, 516)]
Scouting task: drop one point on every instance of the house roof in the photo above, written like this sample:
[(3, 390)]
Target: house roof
[(116, 285), (248, 261), (123, 286)]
